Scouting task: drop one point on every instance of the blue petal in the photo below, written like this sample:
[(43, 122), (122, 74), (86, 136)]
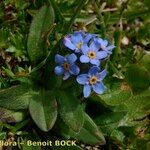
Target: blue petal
[(95, 62), (71, 58), (84, 59), (102, 75), (85, 49), (74, 69), (59, 59), (76, 38), (99, 88), (59, 70), (86, 90), (94, 70), (108, 52), (93, 46), (97, 45), (66, 75), (108, 48), (104, 43), (101, 54), (88, 37), (67, 42), (82, 79), (99, 40)]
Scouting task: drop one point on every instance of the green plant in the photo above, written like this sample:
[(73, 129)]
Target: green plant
[(36, 104)]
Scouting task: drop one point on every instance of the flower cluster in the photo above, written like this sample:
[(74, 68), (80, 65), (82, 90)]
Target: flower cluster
[(85, 48)]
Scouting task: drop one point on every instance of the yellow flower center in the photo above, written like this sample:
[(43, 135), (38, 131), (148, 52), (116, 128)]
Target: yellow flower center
[(66, 66), (93, 80), (79, 45), (91, 54)]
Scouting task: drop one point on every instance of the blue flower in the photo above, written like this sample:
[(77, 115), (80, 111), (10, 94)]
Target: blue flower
[(89, 37), (66, 66), (92, 80), (92, 54), (76, 40), (103, 45)]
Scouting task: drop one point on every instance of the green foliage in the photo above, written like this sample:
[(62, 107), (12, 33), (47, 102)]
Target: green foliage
[(89, 133), (137, 105), (135, 76), (16, 97), (31, 137), (70, 110), (146, 61), (37, 105), (10, 116), (41, 24), (131, 111), (43, 109)]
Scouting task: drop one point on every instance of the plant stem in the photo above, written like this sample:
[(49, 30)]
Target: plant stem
[(100, 17), (115, 70), (57, 10), (118, 34), (77, 11)]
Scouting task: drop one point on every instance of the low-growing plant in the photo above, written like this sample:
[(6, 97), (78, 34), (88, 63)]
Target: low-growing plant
[(75, 70)]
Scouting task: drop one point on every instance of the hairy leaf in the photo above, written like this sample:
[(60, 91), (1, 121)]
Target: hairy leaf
[(16, 97), (70, 110), (42, 22), (43, 109), (89, 133), (135, 76), (109, 121), (137, 105), (9, 116), (146, 61)]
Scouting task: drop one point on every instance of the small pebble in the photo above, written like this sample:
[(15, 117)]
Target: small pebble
[(95, 148), (125, 41), (82, 145), (88, 147)]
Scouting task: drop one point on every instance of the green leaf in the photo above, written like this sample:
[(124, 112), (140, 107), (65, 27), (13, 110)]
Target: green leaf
[(115, 97), (137, 105), (70, 110), (117, 50), (118, 135), (8, 72), (90, 133), (146, 61), (57, 10), (9, 116), (31, 137), (109, 121), (117, 73), (3, 136), (42, 22), (43, 109), (16, 97), (135, 76)]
